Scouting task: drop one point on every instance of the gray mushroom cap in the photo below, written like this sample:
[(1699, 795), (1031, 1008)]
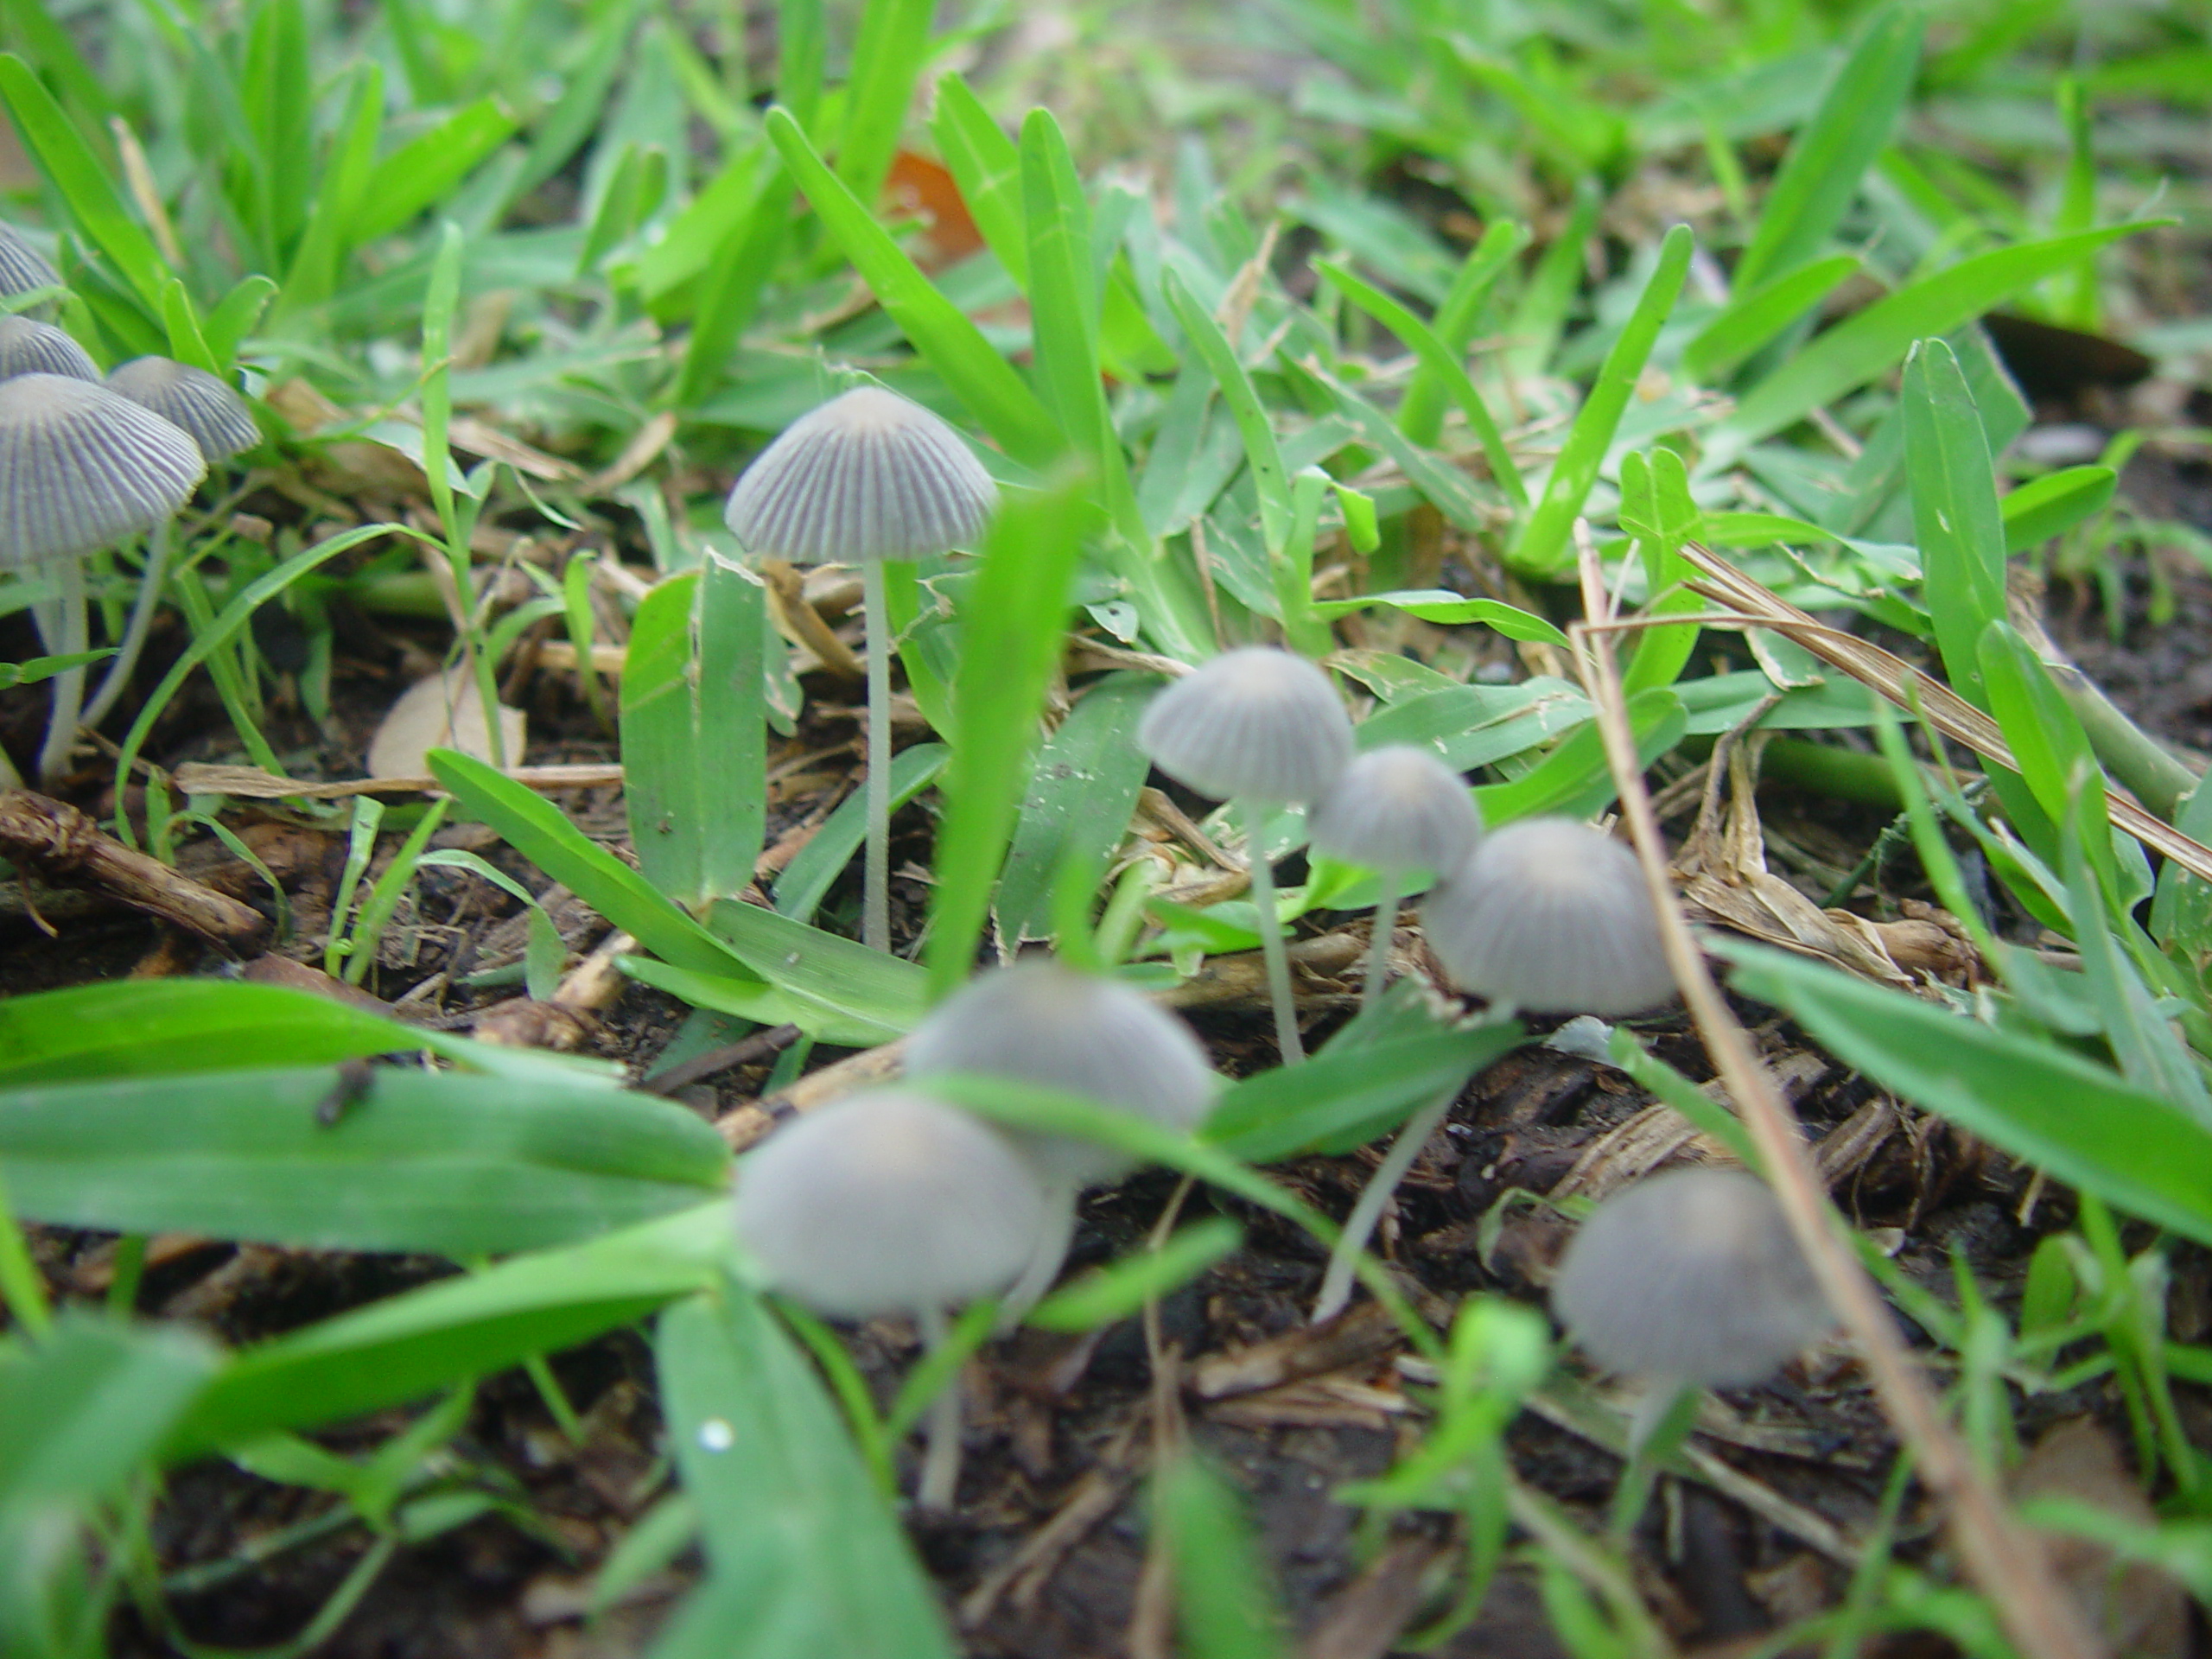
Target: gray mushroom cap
[(81, 468), (211, 412), (29, 346), (1553, 916), (1396, 808), (1039, 1021), (1692, 1276), (1253, 724), (23, 267), (887, 1202), (868, 475)]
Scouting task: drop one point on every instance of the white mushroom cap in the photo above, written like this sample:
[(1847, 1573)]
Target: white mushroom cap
[(1253, 724), (23, 267), (212, 412), (81, 468), (1691, 1277), (1396, 808), (29, 346), (1553, 916), (868, 475), (1039, 1021), (887, 1202)]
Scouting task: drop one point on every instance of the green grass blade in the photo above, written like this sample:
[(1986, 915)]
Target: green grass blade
[(1010, 628), (1863, 346), (2045, 1105), (1543, 547), (70, 165), (660, 744), (735, 276), (1064, 313), (1539, 314), (733, 724), (808, 877), (1961, 532), (1439, 363), (888, 57), (424, 171), (2054, 503), (1748, 322), (278, 96), (798, 1541), (1421, 415), (1262, 453), (1081, 793), (84, 1408), (987, 166), (534, 827), (954, 346), (1224, 1605), (1820, 175)]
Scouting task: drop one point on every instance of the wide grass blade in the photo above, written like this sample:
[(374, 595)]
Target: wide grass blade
[(407, 1346), (1081, 791), (424, 171), (1542, 549), (1011, 625), (659, 733), (1863, 347), (1955, 512), (1749, 322), (888, 56), (2043, 1104), (987, 166), (802, 1556), (437, 1161), (1820, 175), (953, 345)]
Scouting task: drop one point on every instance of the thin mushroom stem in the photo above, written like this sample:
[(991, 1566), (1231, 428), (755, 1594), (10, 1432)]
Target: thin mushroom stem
[(1271, 945), (1359, 1226), (1999, 1555), (1054, 1238), (1378, 935), (65, 636), (142, 623), (876, 900), (941, 1460)]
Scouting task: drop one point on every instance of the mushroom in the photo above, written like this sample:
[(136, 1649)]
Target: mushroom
[(1395, 810), (79, 468), (888, 1202), (23, 268), (1262, 728), (214, 416), (28, 346), (1040, 1021), (1553, 916), (866, 477), (1687, 1280)]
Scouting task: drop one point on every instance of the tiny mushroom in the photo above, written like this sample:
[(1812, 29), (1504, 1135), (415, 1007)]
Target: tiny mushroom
[(1552, 916), (28, 346), (214, 416), (866, 477), (1396, 809), (892, 1202), (1263, 729), (23, 268), (79, 469), (1692, 1278), (1040, 1021)]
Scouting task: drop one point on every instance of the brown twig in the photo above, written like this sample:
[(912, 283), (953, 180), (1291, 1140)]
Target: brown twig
[(1999, 1555), (63, 844)]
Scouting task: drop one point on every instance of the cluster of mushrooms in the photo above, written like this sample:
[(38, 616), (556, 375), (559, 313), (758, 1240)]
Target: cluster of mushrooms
[(86, 462), (896, 1201)]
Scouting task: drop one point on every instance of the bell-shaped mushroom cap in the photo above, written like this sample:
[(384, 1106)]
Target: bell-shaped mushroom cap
[(1039, 1021), (1396, 808), (1253, 724), (1691, 1277), (868, 475), (1553, 916), (81, 468), (29, 346), (23, 267), (887, 1202), (211, 412)]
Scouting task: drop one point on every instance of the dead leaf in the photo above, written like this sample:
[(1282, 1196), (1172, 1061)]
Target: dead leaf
[(443, 712)]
